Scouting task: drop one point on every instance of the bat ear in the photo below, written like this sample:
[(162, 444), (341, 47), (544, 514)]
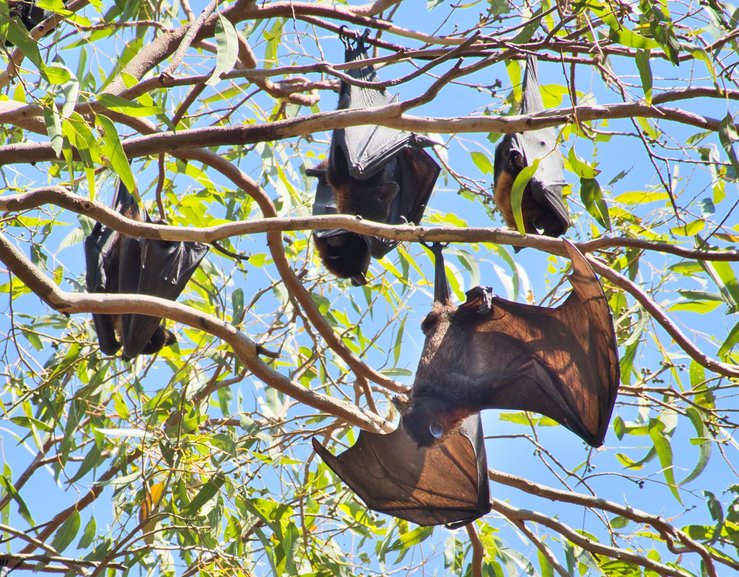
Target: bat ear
[(479, 300)]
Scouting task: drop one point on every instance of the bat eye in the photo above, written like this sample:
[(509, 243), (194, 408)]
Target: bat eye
[(436, 430)]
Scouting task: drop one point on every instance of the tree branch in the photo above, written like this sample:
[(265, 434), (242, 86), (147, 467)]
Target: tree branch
[(243, 347)]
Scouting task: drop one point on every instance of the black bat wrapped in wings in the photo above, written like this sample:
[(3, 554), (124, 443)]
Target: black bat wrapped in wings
[(542, 207), (487, 353), (120, 264), (378, 173)]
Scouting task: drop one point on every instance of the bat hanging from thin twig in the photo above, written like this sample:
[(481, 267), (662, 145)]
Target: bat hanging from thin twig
[(378, 173), (493, 353), (120, 264), (542, 207)]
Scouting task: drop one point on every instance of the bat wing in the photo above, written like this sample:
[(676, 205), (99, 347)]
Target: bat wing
[(442, 484), (99, 252), (159, 268), (561, 362), (102, 254), (366, 148)]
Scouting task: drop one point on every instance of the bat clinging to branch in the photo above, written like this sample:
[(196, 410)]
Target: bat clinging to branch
[(542, 207), (120, 264), (493, 353), (378, 173)]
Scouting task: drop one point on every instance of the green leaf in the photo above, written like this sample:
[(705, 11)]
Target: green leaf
[(727, 135), (623, 35), (704, 444), (22, 507), (19, 36), (53, 122), (482, 162), (67, 532), (619, 522), (227, 42), (645, 73), (88, 535), (546, 567), (517, 190), (689, 229), (592, 197), (580, 167), (128, 107), (730, 342), (56, 74), (527, 32), (206, 493), (723, 275), (116, 157), (662, 445), (413, 537)]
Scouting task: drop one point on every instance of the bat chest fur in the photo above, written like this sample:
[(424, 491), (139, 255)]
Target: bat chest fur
[(372, 198)]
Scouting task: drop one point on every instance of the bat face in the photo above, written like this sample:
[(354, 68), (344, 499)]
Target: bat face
[(493, 353), (443, 484), (119, 264), (378, 173), (542, 206)]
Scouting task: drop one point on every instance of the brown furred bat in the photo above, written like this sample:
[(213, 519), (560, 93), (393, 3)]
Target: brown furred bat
[(542, 206), (377, 173), (493, 353)]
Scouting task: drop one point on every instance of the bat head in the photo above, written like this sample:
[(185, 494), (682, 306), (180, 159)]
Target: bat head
[(346, 254), (429, 419)]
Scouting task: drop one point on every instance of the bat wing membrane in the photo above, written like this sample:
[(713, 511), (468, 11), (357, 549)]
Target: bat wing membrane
[(159, 268), (442, 484), (561, 362)]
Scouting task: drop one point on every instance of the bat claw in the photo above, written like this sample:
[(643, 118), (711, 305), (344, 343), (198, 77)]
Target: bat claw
[(479, 299)]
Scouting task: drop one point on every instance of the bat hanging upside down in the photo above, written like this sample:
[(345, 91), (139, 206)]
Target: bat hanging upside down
[(378, 173), (542, 206), (494, 353), (120, 264), (487, 353)]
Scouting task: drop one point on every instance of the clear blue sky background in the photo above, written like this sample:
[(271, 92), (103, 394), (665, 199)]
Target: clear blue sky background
[(507, 449)]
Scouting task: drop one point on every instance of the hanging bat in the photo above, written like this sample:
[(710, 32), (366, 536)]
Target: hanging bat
[(493, 353), (378, 173), (120, 264), (28, 13), (445, 483), (542, 207)]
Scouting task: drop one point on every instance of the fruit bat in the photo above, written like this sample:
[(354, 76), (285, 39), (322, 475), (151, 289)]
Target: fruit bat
[(493, 353), (542, 207), (445, 483), (28, 13), (378, 173), (120, 264)]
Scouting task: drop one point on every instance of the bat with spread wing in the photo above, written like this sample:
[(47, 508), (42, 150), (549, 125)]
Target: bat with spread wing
[(120, 264), (542, 207), (378, 173), (445, 483), (493, 353)]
